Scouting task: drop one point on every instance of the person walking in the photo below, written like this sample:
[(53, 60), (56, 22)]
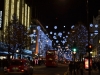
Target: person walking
[(98, 64), (77, 68), (70, 68), (81, 68)]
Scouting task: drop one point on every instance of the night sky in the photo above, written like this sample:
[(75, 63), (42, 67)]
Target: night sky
[(64, 12)]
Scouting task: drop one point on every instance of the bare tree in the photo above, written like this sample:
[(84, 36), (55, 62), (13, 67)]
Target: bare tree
[(16, 36), (79, 36)]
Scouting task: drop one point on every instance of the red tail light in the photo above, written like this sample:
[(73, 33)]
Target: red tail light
[(8, 70), (22, 70)]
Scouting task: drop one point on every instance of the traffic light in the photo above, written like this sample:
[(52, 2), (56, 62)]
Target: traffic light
[(74, 50), (89, 48)]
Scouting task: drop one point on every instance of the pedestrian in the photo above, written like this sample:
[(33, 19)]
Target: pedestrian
[(94, 66), (77, 68), (81, 68), (71, 68), (98, 66), (74, 68)]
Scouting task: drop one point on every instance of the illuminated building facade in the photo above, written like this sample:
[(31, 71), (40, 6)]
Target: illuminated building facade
[(18, 7), (40, 40), (8, 8), (95, 35)]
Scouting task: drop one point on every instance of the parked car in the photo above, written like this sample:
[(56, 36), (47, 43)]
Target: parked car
[(20, 66)]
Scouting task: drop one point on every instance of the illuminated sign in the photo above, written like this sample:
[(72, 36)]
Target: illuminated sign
[(0, 19), (87, 63)]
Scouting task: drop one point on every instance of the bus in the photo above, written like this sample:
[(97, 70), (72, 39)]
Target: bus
[(51, 58)]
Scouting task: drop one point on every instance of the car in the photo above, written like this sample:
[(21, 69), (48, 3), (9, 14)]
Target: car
[(20, 66)]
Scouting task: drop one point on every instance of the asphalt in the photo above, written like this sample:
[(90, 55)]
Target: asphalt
[(93, 72)]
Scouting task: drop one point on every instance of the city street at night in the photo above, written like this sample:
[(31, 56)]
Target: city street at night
[(50, 37)]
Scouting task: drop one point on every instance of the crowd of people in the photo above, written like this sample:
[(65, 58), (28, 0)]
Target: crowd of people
[(96, 66), (77, 68)]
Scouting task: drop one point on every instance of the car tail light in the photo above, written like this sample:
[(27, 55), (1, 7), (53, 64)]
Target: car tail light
[(22, 70), (8, 70)]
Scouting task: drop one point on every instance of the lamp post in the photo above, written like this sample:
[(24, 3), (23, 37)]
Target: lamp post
[(74, 50), (74, 54), (88, 37)]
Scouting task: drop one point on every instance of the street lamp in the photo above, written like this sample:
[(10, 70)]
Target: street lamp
[(74, 50), (17, 51)]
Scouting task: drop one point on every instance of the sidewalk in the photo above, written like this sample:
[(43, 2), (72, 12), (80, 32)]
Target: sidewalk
[(84, 73), (93, 72)]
